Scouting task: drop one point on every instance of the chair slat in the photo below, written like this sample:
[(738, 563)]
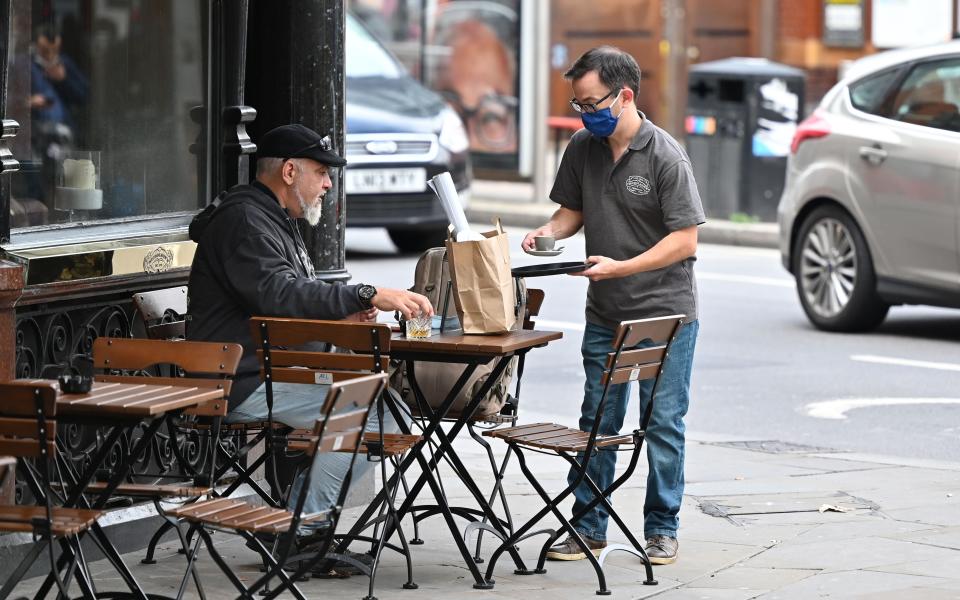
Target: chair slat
[(626, 374), (312, 376), (324, 360), (340, 442), (24, 428), (26, 448), (296, 332), (658, 329), (17, 398), (207, 358), (637, 357)]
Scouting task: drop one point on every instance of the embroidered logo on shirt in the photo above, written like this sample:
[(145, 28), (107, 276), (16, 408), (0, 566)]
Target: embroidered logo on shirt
[(638, 185)]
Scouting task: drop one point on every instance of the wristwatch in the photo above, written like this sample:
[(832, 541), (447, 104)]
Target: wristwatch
[(365, 294)]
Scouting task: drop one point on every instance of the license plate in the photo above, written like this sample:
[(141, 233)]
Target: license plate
[(376, 181)]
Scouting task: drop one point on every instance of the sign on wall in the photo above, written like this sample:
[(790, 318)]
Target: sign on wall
[(843, 23), (899, 23)]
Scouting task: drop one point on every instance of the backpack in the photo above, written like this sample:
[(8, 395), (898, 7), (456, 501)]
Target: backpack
[(432, 279)]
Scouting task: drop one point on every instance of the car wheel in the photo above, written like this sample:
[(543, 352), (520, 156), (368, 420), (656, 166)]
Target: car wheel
[(417, 240), (834, 272)]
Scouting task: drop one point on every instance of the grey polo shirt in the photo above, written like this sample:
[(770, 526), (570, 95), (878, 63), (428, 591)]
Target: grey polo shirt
[(627, 208)]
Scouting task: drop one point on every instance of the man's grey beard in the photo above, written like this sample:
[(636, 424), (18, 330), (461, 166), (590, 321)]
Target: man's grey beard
[(311, 213)]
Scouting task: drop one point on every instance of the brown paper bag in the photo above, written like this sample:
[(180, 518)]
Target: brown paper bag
[(483, 289)]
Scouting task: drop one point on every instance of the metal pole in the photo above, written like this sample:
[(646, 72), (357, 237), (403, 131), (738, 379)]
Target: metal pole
[(541, 94), (295, 74)]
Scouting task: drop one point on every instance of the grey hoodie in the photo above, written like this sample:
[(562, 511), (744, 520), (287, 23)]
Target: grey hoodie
[(250, 261)]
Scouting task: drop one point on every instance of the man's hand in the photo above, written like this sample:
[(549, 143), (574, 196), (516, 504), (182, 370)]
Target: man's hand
[(603, 268), (528, 243), (364, 316), (408, 303)]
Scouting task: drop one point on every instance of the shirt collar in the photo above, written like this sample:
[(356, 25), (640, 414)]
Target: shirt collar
[(643, 135), (640, 139)]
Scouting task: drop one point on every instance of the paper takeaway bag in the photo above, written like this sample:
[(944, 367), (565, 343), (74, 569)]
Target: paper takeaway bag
[(483, 288)]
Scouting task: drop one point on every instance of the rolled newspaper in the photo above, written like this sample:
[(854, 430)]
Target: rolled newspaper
[(442, 185)]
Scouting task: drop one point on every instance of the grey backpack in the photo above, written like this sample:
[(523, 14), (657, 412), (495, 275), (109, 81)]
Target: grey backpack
[(432, 279)]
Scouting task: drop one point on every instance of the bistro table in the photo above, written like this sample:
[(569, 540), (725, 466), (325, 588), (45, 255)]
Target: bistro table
[(470, 350), (120, 407)]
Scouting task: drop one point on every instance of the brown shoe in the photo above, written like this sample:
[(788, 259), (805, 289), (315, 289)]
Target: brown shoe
[(662, 549), (569, 549)]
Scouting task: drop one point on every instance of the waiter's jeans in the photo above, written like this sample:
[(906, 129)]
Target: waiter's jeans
[(664, 437)]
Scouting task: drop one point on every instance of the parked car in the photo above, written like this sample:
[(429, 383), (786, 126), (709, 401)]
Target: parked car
[(870, 214), (399, 135)]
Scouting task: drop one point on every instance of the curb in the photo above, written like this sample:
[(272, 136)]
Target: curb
[(534, 214)]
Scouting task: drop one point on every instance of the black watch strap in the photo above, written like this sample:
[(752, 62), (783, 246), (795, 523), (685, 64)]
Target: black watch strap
[(365, 294)]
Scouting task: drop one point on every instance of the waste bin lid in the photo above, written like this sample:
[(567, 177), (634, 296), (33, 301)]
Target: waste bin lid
[(746, 66)]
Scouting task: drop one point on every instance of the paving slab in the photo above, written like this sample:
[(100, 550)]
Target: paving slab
[(753, 578), (853, 584)]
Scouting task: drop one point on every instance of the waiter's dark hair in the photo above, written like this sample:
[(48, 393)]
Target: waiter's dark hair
[(615, 68)]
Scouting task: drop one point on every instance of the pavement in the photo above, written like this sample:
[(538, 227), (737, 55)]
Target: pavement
[(760, 519), (513, 203)]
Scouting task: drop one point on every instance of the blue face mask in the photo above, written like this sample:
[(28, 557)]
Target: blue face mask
[(602, 123)]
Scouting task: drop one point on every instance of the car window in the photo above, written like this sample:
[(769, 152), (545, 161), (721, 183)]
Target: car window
[(868, 94), (365, 57), (930, 96)]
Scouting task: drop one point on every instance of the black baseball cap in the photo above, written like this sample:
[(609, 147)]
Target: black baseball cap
[(298, 141)]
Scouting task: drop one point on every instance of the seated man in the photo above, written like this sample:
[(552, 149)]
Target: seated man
[(250, 260)]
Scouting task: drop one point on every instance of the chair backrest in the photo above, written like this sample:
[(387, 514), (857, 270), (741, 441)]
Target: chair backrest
[(340, 428), (281, 361), (25, 407), (627, 363), (207, 364), (163, 312), (534, 302), (345, 413)]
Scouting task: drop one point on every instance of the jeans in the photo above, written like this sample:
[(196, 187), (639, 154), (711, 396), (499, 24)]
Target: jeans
[(298, 405), (664, 437)]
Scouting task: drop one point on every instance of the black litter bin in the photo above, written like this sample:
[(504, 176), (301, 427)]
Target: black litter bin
[(741, 117)]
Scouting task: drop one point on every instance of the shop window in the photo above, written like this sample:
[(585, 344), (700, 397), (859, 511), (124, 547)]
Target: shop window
[(109, 96)]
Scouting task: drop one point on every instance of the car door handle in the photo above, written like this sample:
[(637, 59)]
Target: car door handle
[(873, 154)]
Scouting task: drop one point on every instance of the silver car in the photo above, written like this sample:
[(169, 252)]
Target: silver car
[(870, 214)]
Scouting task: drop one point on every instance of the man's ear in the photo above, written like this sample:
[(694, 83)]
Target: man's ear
[(627, 95), (287, 171)]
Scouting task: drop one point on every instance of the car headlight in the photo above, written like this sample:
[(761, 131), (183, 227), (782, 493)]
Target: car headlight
[(453, 136)]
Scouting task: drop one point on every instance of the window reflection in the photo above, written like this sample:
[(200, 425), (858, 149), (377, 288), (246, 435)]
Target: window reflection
[(104, 93)]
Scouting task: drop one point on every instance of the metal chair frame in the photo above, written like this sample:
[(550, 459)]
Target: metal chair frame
[(626, 363)]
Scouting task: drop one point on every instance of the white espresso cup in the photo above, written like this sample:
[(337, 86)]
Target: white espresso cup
[(544, 242)]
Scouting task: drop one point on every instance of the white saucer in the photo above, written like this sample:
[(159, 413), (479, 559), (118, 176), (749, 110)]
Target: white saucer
[(553, 252)]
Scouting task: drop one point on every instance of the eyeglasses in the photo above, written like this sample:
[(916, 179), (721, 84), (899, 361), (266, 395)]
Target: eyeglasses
[(589, 107), (324, 143)]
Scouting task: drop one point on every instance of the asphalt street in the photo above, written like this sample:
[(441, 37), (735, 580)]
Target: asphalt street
[(761, 371)]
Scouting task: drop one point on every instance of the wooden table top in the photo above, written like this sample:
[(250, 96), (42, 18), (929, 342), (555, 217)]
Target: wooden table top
[(482, 345), (133, 400)]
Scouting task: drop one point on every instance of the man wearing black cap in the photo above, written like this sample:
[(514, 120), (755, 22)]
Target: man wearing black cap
[(250, 260)]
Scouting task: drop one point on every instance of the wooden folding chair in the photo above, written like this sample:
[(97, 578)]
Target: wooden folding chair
[(368, 345), (28, 433), (340, 429), (163, 314), (202, 364), (638, 353)]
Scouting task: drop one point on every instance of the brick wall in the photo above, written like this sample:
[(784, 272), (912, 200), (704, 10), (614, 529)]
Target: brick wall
[(799, 19)]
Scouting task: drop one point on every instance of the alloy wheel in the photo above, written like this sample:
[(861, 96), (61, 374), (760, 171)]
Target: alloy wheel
[(828, 267)]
